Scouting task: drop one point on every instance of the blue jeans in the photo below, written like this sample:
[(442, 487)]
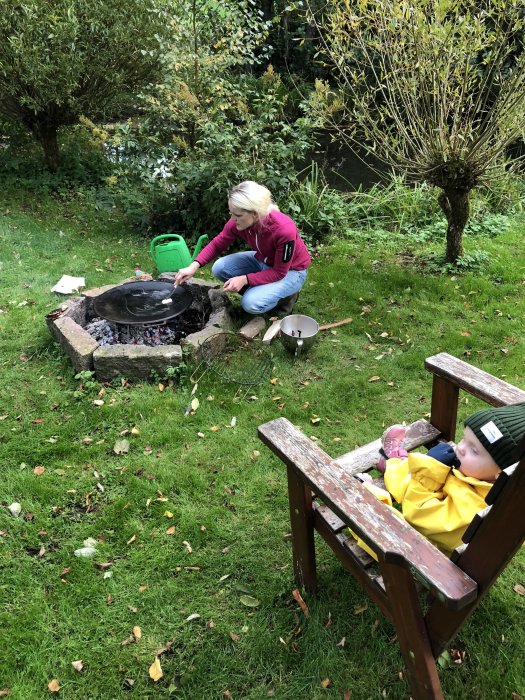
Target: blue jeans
[(263, 297)]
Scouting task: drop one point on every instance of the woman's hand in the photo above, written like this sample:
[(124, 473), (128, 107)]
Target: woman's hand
[(186, 273), (235, 284)]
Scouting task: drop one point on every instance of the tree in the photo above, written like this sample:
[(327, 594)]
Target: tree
[(60, 59), (435, 89), (216, 118)]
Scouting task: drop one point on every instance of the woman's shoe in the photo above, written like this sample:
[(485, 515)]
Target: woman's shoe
[(285, 306)]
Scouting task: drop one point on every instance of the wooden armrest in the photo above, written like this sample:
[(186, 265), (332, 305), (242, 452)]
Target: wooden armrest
[(393, 539), (475, 381)]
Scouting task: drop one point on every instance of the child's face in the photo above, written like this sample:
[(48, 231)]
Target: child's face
[(474, 459)]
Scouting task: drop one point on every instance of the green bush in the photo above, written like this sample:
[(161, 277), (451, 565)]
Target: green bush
[(181, 184), (319, 212)]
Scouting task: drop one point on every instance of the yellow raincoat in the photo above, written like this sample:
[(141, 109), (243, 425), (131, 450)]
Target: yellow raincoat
[(438, 501)]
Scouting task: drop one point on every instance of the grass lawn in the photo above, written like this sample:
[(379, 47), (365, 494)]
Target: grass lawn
[(193, 518)]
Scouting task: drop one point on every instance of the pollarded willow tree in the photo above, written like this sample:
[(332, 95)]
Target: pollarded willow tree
[(435, 89), (60, 59)]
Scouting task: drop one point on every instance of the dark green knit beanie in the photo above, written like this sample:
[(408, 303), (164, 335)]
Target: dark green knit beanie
[(499, 430)]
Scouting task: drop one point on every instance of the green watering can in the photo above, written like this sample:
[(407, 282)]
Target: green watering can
[(170, 252)]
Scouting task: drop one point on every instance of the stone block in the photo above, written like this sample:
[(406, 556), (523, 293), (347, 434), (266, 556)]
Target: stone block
[(77, 342), (253, 327), (135, 361), (193, 341), (74, 308)]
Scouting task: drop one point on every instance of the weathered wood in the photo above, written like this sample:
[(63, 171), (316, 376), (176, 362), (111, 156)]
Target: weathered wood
[(326, 326), (405, 558), (483, 385), (272, 331), (391, 538), (412, 634), (301, 520)]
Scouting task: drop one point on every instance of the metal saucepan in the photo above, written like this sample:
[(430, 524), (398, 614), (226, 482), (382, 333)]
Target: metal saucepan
[(298, 333)]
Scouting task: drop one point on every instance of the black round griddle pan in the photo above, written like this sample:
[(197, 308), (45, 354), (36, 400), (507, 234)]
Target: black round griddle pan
[(143, 302)]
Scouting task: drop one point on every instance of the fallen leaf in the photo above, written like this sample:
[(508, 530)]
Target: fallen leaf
[(131, 539), (78, 665), (53, 686), (98, 402), (15, 509), (171, 530), (121, 447), (361, 608), (155, 671), (128, 640), (375, 378), (325, 682), (137, 632), (297, 596), (188, 546), (166, 647), (234, 637), (193, 616), (5, 692), (341, 643), (168, 514), (161, 388), (347, 694), (233, 422), (465, 334), (520, 590), (249, 601), (195, 403), (135, 431)]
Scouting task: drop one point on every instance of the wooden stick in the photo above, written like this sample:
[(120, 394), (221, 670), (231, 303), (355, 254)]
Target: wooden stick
[(272, 331), (337, 323)]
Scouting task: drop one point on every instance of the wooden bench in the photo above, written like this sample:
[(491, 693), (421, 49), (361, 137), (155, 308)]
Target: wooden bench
[(324, 496)]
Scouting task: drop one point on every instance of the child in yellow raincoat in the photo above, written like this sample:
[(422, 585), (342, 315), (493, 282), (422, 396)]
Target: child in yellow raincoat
[(441, 491)]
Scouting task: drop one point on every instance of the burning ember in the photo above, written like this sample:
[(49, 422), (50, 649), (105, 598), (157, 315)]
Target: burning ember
[(106, 333)]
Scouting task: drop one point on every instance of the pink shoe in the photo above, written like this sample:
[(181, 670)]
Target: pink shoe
[(392, 441)]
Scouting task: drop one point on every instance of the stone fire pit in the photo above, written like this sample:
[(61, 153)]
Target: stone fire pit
[(68, 324)]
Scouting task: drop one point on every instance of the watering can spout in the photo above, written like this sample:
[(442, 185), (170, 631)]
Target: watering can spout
[(198, 247)]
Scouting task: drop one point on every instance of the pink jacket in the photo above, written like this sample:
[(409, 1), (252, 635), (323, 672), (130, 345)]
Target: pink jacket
[(276, 240)]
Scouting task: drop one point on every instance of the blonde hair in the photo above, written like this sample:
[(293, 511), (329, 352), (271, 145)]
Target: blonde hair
[(250, 196)]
